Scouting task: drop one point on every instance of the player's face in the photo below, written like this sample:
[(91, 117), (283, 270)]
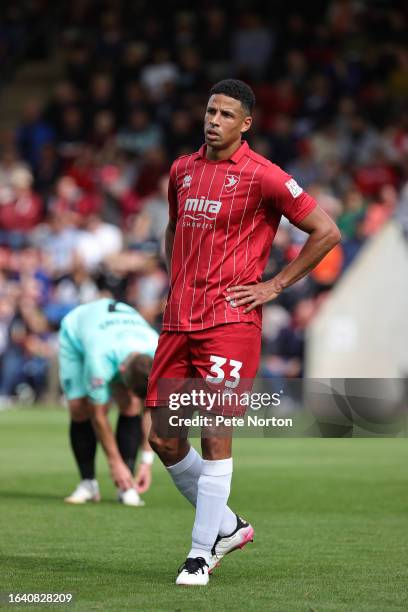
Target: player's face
[(224, 122)]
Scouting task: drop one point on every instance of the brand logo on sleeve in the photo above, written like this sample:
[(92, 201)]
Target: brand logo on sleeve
[(294, 188), (187, 181), (97, 382)]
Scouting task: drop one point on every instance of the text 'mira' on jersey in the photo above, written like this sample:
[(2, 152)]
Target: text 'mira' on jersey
[(227, 215)]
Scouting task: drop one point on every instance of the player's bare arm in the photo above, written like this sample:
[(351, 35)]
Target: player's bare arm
[(323, 236), (120, 473), (144, 470), (131, 405), (168, 243)]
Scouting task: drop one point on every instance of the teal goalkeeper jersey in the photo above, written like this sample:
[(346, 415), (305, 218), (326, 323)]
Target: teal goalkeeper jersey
[(103, 334)]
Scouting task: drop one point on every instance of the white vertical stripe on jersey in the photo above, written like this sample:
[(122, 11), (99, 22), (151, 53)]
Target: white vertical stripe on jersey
[(226, 239), (192, 240), (248, 237), (199, 245), (209, 261), (240, 227), (170, 272)]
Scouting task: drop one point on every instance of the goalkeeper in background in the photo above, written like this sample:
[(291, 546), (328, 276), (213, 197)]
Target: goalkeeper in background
[(105, 353)]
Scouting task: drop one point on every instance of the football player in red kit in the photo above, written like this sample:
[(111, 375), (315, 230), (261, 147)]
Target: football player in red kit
[(225, 205)]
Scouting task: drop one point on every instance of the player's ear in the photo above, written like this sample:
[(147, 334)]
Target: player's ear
[(246, 124)]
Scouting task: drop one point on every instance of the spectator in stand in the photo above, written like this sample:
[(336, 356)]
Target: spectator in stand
[(48, 171), (27, 266), (7, 309), (101, 96), (97, 241), (370, 178), (29, 346), (359, 143), (79, 65), (20, 208), (74, 201), (140, 133), (9, 162), (304, 168), (33, 133), (72, 133), (179, 133), (191, 76), (252, 45), (109, 41), (282, 141), (134, 97), (102, 135), (84, 169), (354, 206), (58, 240), (120, 201), (156, 208), (155, 163), (285, 353), (160, 71), (133, 60), (380, 211), (65, 96)]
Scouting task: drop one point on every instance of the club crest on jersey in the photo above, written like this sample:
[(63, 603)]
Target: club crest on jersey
[(231, 181), (187, 181)]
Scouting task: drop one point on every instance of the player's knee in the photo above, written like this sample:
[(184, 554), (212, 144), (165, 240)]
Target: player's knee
[(133, 408), (158, 444), (166, 448), (214, 448), (78, 410)]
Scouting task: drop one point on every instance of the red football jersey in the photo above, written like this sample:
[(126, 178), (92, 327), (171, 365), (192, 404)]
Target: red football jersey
[(227, 214)]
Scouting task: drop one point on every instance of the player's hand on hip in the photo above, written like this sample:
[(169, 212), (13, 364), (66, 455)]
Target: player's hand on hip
[(252, 295), (122, 476), (143, 477)]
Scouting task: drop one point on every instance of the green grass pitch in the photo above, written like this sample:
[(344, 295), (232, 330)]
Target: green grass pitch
[(330, 518)]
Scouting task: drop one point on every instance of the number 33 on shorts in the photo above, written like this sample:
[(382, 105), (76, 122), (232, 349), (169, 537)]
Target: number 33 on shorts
[(218, 368), (226, 355)]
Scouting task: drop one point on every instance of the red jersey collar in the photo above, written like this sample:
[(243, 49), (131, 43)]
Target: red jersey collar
[(235, 157)]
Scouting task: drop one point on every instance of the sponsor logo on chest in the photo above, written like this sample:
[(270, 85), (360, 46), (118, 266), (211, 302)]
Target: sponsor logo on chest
[(200, 212), (201, 207)]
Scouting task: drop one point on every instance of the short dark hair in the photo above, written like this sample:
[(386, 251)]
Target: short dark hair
[(136, 373), (234, 88)]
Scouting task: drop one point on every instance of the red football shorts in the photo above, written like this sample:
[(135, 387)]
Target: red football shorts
[(221, 360)]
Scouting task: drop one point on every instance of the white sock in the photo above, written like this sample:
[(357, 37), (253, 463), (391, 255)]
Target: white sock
[(213, 491), (185, 475)]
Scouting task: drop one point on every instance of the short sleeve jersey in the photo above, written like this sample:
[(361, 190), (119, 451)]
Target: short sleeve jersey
[(104, 333), (226, 214)]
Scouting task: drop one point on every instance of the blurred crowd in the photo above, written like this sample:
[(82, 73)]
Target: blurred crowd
[(83, 179), (23, 24)]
